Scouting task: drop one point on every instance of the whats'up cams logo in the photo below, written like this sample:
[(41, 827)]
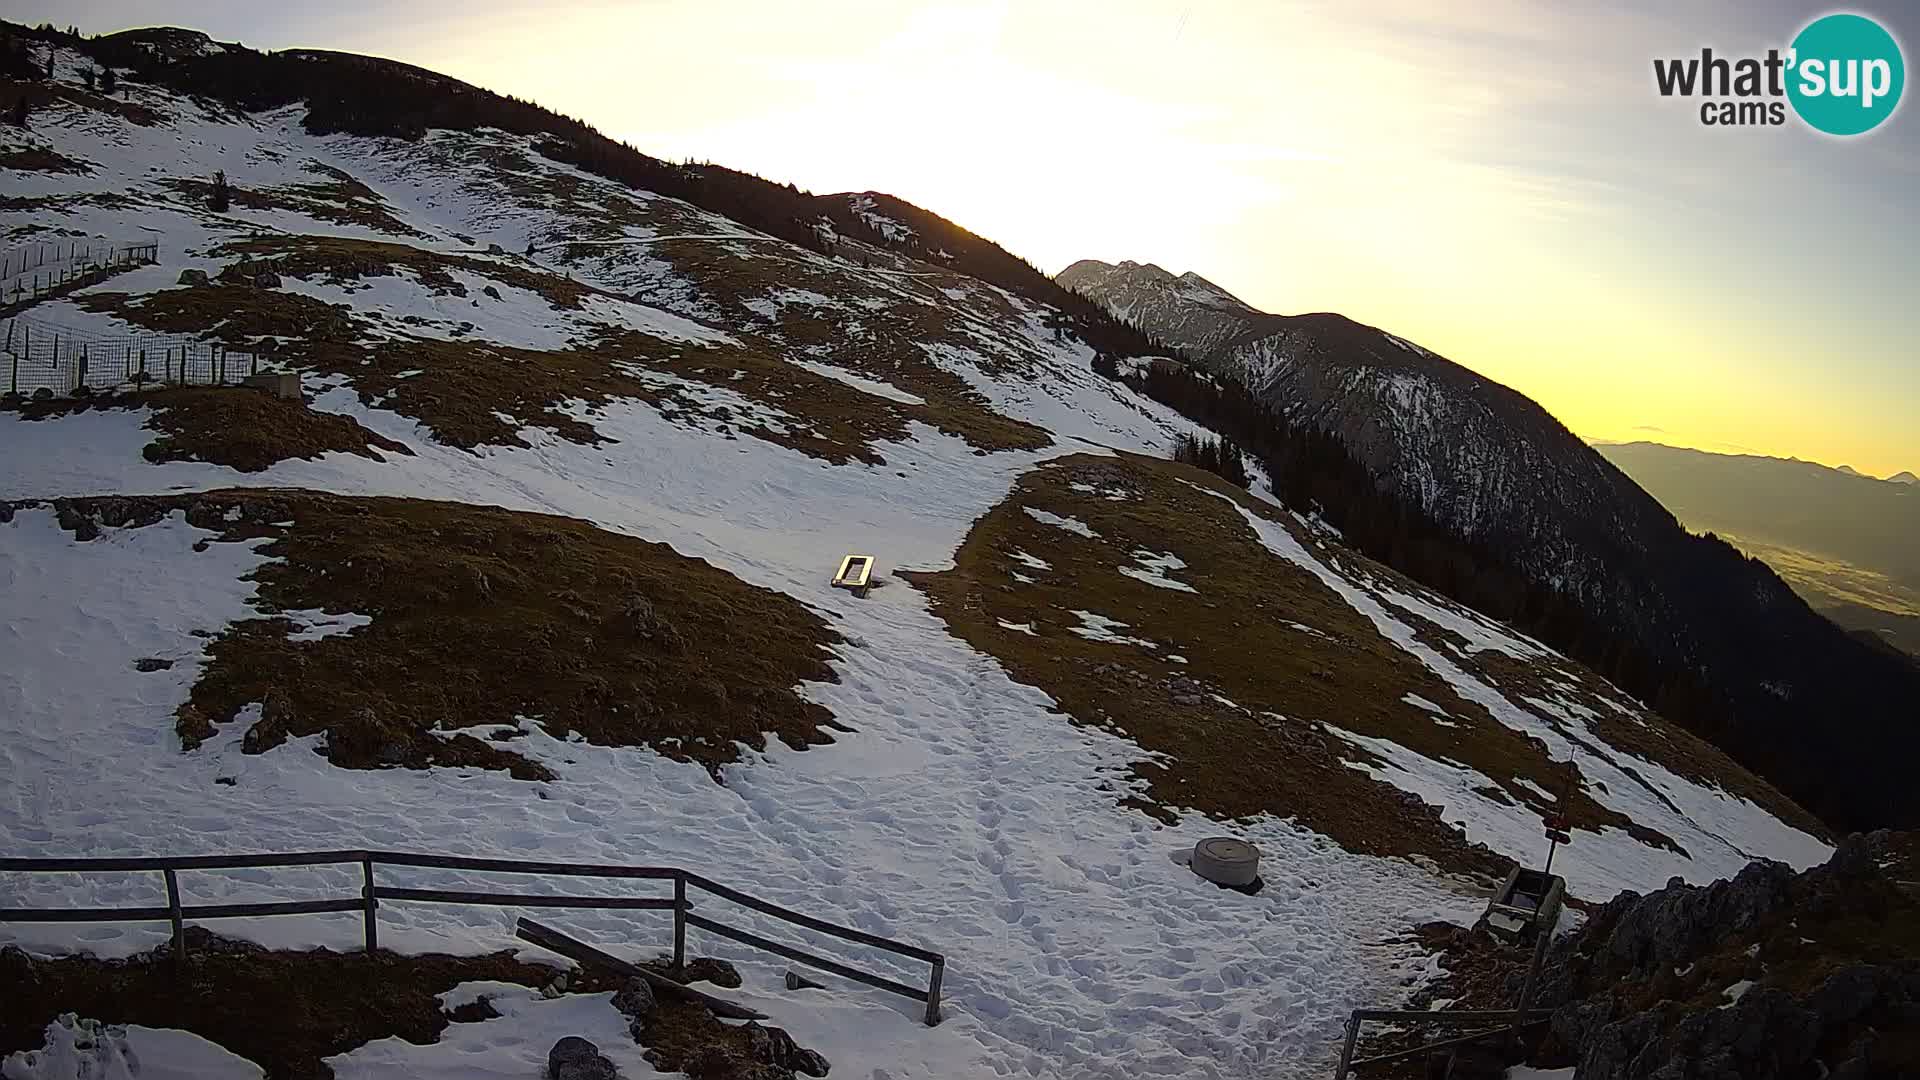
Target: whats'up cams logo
[(1842, 75)]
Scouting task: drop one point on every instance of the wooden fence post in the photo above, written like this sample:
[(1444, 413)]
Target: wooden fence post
[(369, 906), (173, 917), (933, 992), (1346, 1049), (679, 921)]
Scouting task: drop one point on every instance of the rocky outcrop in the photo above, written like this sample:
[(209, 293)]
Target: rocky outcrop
[(1769, 976), (574, 1058), (683, 1036)]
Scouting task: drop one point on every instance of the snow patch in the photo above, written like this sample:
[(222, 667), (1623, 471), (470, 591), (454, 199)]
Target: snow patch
[(81, 1049), (1097, 627), (859, 382), (1072, 525), (1153, 567)]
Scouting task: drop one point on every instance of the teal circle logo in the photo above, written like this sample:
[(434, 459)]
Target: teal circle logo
[(1846, 74)]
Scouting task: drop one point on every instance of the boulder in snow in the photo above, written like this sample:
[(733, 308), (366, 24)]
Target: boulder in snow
[(574, 1058)]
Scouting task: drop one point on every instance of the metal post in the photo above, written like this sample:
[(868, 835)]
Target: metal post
[(1346, 1049), (369, 906), (933, 992), (679, 921), (173, 916), (1541, 935)]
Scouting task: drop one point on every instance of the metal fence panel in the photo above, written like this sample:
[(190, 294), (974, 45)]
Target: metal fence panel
[(36, 355)]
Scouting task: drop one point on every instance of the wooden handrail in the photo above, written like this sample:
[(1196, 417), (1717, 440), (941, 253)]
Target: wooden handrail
[(181, 862), (367, 902), (520, 866), (809, 921)]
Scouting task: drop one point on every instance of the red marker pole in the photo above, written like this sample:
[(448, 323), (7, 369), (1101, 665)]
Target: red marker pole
[(1556, 835)]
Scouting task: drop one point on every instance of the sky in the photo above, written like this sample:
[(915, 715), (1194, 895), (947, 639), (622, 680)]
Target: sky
[(1498, 181)]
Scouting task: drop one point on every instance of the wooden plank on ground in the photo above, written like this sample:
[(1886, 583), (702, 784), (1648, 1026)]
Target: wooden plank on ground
[(574, 949)]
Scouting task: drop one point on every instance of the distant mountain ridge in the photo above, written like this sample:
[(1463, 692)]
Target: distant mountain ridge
[(1799, 504), (1686, 622), (1186, 311), (1844, 541)]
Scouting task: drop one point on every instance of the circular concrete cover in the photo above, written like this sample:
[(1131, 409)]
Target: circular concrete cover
[(1226, 861)]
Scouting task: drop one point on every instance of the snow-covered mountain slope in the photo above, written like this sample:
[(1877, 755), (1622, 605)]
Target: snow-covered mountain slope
[(1540, 523), (1467, 450), (238, 624), (1186, 311)]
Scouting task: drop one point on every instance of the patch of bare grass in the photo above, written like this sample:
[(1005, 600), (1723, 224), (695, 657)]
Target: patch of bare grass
[(233, 313), (484, 618), (241, 428), (1670, 746), (340, 200), (40, 159), (289, 1010), (474, 393), (885, 345), (284, 1011), (345, 259), (1241, 720)]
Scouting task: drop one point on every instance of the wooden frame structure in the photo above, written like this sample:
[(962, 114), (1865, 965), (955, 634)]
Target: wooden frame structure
[(855, 574)]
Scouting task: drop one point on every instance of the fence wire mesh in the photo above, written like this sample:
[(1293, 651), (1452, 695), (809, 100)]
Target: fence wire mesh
[(34, 270), (43, 359)]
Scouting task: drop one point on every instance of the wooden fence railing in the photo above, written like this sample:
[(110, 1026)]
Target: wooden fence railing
[(372, 893), (30, 272), (1496, 1023)]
